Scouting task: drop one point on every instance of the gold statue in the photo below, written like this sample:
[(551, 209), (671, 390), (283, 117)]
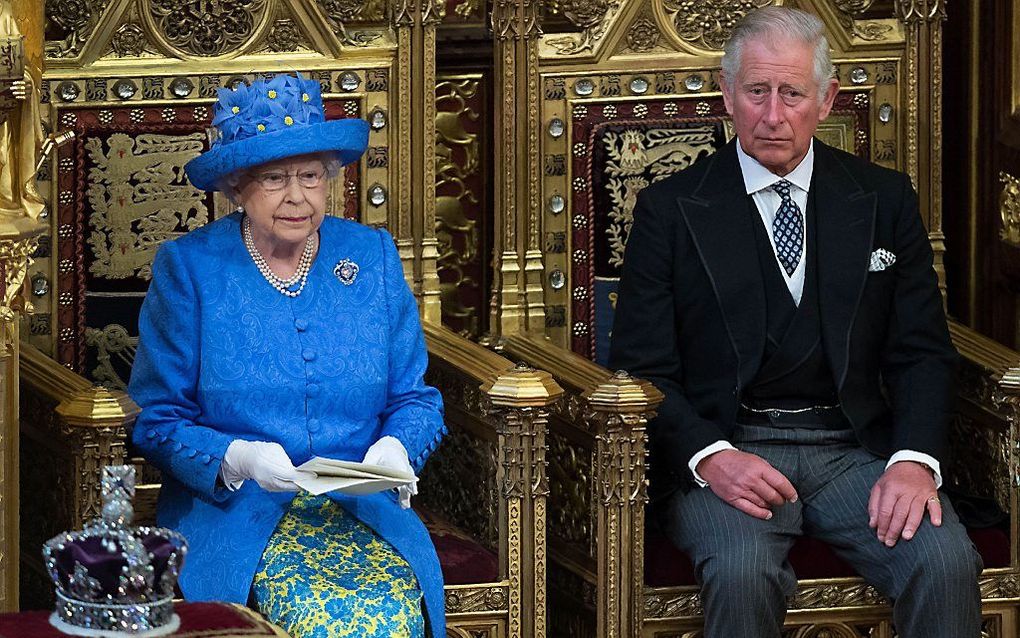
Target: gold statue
[(21, 133)]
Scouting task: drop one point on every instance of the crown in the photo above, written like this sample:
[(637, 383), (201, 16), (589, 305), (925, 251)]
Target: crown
[(112, 579)]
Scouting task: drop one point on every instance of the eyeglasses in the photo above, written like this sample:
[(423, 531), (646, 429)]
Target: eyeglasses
[(278, 180)]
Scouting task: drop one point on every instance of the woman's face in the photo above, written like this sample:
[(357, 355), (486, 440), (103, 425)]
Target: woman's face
[(285, 199)]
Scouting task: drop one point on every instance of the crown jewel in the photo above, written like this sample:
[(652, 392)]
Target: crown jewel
[(113, 579)]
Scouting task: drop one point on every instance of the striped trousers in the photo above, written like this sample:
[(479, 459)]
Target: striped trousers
[(741, 562)]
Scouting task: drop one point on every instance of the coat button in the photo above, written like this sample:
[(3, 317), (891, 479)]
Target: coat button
[(774, 414), (301, 325), (313, 425), (308, 355), (312, 390)]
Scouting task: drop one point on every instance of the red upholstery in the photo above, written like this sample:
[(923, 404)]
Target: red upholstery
[(463, 560), (667, 566)]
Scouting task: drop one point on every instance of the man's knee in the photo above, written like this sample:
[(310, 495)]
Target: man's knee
[(942, 557), (751, 568)]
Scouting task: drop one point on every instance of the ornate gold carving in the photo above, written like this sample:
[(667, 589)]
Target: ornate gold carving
[(129, 41), (504, 19), (340, 12), (1009, 209), (633, 153), (465, 9), (284, 36), (140, 197), (463, 600), (920, 10), (77, 19), (706, 24), (457, 160), (112, 341), (15, 258), (591, 16), (459, 483), (571, 516), (206, 29), (643, 35), (865, 30)]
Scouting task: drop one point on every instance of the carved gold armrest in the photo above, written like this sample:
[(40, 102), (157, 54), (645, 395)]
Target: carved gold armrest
[(985, 436), (489, 475), (597, 491)]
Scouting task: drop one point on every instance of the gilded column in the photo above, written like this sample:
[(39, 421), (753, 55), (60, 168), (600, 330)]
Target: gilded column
[(620, 407), (415, 225), (521, 398), (517, 303), (21, 54), (922, 21), (530, 163)]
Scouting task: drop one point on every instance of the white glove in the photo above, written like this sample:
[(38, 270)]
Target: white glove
[(389, 452), (261, 461)]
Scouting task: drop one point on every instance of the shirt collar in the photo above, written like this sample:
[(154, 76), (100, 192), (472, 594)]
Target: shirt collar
[(757, 177)]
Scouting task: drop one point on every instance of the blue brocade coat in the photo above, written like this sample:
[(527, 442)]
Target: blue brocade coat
[(223, 355)]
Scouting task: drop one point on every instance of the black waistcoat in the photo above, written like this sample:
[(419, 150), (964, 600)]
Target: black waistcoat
[(794, 372)]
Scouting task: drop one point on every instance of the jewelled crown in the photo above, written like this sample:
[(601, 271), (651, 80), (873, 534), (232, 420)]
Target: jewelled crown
[(113, 579)]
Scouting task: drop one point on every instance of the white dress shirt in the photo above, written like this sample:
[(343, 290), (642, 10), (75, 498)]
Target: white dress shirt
[(758, 182)]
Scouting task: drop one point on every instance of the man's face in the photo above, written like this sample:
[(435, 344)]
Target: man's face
[(774, 102)]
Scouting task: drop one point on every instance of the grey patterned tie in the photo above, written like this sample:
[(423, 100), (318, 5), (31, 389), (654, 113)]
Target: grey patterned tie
[(788, 229)]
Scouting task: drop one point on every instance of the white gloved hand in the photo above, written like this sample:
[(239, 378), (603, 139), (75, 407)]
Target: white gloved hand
[(261, 461), (389, 452)]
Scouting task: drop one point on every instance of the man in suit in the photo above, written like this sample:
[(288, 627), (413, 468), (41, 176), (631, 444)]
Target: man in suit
[(780, 293)]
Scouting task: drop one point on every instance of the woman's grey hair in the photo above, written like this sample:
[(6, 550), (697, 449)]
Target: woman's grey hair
[(228, 185), (772, 24)]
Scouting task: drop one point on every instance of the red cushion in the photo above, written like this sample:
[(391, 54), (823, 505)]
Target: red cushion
[(463, 560), (667, 566)]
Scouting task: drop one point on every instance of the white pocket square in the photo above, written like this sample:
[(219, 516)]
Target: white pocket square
[(880, 260)]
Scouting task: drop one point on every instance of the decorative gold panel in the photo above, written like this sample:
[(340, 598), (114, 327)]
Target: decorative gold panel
[(1009, 209), (201, 28), (462, 202), (703, 26)]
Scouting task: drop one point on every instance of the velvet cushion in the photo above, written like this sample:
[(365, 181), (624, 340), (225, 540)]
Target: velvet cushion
[(667, 566), (463, 560)]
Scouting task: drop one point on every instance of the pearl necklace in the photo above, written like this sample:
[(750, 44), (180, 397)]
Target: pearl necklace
[(283, 286)]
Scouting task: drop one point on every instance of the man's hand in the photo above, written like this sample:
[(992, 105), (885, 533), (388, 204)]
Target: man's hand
[(899, 499), (747, 482)]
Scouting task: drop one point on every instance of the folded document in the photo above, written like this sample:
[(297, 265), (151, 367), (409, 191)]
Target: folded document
[(350, 477)]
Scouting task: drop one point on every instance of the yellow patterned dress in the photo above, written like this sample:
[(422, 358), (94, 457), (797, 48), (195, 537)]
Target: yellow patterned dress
[(324, 574)]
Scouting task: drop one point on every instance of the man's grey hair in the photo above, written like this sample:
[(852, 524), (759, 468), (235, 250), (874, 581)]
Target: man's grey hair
[(772, 24)]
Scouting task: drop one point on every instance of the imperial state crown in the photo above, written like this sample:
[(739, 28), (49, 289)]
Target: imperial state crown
[(114, 580)]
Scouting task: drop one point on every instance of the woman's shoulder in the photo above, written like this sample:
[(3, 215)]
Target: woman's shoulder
[(346, 234), (210, 237)]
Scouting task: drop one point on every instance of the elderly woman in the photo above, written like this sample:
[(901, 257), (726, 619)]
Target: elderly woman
[(271, 336)]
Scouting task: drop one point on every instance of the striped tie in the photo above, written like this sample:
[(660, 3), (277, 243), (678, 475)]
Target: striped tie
[(788, 229)]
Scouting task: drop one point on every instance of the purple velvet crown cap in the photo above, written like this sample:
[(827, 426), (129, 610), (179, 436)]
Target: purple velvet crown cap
[(113, 579)]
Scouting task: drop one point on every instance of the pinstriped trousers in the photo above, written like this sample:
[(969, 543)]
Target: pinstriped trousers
[(741, 562)]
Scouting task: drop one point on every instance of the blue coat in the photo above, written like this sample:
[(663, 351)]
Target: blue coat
[(223, 355)]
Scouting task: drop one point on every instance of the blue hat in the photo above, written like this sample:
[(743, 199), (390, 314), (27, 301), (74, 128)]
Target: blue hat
[(270, 120)]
